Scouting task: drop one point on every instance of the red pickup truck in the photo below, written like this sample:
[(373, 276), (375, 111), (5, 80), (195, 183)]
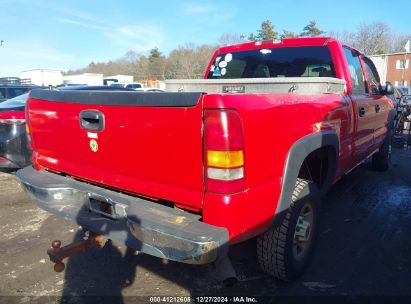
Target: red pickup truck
[(245, 152)]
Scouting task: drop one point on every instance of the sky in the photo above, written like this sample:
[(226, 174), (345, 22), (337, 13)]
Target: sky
[(46, 34)]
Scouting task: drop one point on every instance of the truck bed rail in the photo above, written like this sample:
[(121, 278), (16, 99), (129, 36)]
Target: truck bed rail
[(280, 85)]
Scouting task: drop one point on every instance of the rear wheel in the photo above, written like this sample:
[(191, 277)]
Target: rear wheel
[(285, 250), (381, 159)]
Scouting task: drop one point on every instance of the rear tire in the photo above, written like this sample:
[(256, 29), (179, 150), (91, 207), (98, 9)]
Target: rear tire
[(285, 250), (381, 159)]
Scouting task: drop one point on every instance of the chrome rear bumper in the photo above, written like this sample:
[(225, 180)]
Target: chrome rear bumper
[(138, 223)]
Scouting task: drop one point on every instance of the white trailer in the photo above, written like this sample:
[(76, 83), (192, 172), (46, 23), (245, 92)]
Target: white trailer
[(380, 62), (43, 77), (123, 79), (86, 79)]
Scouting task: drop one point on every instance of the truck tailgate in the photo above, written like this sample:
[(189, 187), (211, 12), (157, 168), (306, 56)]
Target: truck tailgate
[(150, 144)]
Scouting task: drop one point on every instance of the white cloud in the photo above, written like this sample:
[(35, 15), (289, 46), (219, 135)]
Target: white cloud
[(82, 15), (195, 8), (130, 36), (89, 25), (137, 37)]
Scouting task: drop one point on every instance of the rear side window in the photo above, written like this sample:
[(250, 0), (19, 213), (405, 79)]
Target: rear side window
[(19, 101), (13, 92), (2, 93), (312, 61), (357, 75)]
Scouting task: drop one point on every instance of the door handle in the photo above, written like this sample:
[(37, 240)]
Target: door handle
[(377, 108), (92, 120), (362, 112)]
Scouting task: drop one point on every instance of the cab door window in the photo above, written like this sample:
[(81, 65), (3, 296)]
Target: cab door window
[(356, 73), (373, 80)]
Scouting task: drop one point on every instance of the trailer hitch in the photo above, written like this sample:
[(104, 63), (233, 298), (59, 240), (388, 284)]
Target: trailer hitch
[(57, 253)]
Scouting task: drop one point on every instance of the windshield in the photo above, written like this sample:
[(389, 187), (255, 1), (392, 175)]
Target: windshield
[(19, 101), (117, 85), (312, 61), (134, 86)]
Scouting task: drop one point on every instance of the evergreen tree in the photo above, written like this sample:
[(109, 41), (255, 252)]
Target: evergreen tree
[(154, 54), (288, 34), (252, 37), (266, 32), (311, 30)]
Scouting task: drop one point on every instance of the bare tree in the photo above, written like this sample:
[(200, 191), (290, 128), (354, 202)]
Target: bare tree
[(372, 38), (189, 61), (230, 38), (397, 42), (345, 37)]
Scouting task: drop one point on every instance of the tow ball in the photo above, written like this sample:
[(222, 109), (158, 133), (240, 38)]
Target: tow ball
[(58, 253)]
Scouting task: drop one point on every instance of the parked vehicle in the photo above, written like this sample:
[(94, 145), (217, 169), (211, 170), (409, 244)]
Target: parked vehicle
[(404, 90), (404, 101), (8, 91), (134, 86), (14, 149), (152, 90), (244, 153)]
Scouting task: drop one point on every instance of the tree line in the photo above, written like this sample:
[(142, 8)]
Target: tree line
[(190, 60)]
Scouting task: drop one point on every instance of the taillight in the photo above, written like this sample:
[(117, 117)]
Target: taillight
[(12, 118), (28, 131), (223, 151)]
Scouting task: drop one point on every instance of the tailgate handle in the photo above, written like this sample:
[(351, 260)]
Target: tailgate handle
[(92, 120)]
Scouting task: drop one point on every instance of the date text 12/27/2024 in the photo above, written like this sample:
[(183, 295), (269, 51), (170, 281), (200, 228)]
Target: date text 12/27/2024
[(203, 299)]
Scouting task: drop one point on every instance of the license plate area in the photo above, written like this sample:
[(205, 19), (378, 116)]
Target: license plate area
[(106, 207)]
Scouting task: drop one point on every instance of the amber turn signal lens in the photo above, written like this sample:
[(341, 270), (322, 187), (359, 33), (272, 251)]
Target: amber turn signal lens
[(225, 159)]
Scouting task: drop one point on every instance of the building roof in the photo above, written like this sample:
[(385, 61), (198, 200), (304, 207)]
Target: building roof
[(389, 54), (42, 70)]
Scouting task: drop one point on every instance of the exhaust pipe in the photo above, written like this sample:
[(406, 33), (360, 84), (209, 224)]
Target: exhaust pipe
[(225, 271)]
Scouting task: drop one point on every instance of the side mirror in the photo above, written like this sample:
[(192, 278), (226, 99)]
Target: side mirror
[(388, 89)]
